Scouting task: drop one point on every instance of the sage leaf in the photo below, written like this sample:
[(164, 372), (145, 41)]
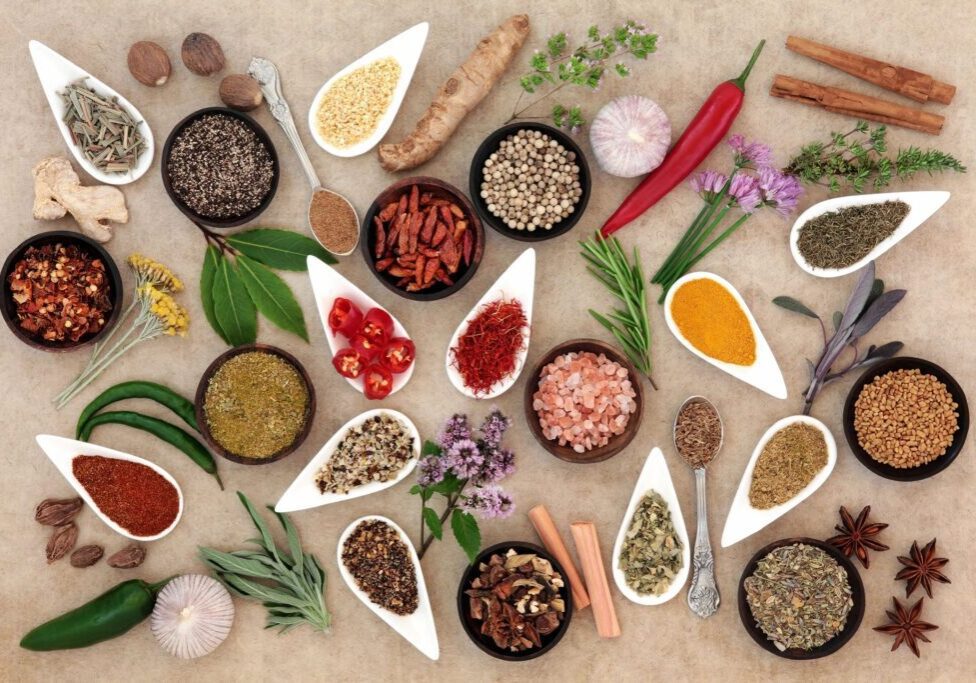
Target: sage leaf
[(272, 296), (465, 528), (876, 311), (279, 249), (884, 351), (233, 309), (259, 591), (208, 275), (294, 545), (266, 539), (791, 304), (225, 562), (433, 523), (838, 316), (859, 297)]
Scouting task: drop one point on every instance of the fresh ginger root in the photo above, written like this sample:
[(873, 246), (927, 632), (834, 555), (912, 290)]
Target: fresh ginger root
[(58, 190), (467, 86)]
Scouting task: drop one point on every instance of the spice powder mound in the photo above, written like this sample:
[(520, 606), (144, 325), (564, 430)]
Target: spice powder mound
[(712, 321), (698, 433), (787, 464), (374, 451), (333, 221), (382, 565), (134, 496)]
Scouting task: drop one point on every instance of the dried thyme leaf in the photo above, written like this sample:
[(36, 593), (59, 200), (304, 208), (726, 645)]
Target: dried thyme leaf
[(838, 239), (651, 554)]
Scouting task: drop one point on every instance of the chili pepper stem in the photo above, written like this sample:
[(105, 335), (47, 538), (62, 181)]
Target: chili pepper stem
[(156, 587), (740, 82)]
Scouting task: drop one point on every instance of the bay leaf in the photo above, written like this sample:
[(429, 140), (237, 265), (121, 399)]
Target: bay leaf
[(272, 296), (233, 308), (280, 249), (208, 275)]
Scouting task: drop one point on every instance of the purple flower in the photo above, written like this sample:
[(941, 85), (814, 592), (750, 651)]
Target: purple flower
[(744, 188), (499, 463), (454, 430), (756, 153), (494, 427), (489, 502), (432, 470), (708, 183), (465, 459), (780, 190)]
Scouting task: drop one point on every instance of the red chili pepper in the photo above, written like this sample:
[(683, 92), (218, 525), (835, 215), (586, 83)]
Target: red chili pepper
[(349, 363), (706, 130), (377, 325), (344, 318), (378, 382), (398, 355), (366, 347)]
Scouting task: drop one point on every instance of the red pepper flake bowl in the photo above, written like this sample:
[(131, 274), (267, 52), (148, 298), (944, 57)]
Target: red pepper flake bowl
[(67, 238), (383, 258)]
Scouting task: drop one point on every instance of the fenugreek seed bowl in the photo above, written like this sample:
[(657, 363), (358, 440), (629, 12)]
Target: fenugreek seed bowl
[(490, 145), (201, 412), (66, 237), (929, 469), (854, 617)]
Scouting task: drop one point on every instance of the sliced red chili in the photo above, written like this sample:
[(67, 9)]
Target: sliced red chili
[(398, 355), (344, 318), (377, 325), (377, 382), (349, 363), (366, 347)]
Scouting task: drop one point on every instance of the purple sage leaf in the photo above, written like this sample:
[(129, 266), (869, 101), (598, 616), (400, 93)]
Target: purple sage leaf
[(876, 311)]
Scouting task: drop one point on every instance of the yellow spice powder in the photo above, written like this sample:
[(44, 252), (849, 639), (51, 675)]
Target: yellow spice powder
[(352, 108), (711, 319)]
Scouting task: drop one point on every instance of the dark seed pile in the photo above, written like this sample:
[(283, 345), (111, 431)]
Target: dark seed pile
[(381, 564), (219, 167)]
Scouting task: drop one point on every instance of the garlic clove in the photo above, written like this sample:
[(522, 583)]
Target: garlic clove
[(192, 616), (630, 136)]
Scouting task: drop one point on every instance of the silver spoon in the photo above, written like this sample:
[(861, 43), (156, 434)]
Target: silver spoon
[(266, 74), (703, 597)]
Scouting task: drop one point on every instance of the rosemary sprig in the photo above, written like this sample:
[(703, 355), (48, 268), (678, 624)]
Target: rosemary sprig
[(630, 324), (290, 584)]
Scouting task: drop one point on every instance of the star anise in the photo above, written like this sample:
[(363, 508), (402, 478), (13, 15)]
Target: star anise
[(857, 536), (906, 626), (922, 568)]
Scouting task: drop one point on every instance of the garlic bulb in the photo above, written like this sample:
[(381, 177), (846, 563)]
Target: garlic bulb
[(630, 136), (192, 616)]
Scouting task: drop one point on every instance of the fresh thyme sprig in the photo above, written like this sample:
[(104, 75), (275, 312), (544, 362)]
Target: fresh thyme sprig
[(859, 156), (630, 325)]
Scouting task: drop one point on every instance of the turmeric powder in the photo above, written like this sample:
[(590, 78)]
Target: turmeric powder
[(711, 319)]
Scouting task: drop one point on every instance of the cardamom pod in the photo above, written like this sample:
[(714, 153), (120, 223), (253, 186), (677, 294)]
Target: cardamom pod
[(87, 555), (57, 512), (62, 541), (128, 558)]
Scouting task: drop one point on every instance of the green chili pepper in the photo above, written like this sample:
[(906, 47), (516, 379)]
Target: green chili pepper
[(138, 389), (171, 434), (109, 615)]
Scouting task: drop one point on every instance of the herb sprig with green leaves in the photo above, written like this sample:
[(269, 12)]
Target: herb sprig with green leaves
[(558, 66)]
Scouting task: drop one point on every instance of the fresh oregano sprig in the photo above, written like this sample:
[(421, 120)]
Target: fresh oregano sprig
[(868, 304), (559, 65)]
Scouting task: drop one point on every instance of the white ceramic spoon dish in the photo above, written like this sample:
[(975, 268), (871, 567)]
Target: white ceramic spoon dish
[(405, 48), (922, 205), (654, 476), (743, 519), (62, 451), (764, 373), (327, 284), (304, 492), (418, 628), (517, 282), (55, 72)]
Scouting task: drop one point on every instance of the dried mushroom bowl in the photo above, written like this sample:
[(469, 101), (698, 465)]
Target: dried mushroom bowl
[(473, 627)]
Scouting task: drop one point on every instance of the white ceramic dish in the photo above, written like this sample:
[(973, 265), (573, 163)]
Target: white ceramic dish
[(764, 373), (418, 628), (743, 519), (922, 206), (517, 282), (327, 285), (654, 476), (304, 493), (55, 72), (406, 49), (62, 451)]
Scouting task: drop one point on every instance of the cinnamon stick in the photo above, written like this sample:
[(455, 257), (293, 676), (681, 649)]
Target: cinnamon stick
[(855, 104), (908, 82), (546, 528), (588, 550)]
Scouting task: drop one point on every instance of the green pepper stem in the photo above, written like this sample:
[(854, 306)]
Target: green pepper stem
[(740, 82), (156, 587)]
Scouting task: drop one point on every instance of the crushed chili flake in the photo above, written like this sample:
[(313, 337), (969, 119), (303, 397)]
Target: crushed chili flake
[(61, 292), (487, 351), (134, 496), (382, 565)]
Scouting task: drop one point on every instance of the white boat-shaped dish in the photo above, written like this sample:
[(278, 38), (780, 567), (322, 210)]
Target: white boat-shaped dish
[(517, 282), (304, 492), (743, 519), (922, 206), (327, 284), (418, 628), (406, 49), (654, 476), (764, 373), (62, 451), (55, 72)]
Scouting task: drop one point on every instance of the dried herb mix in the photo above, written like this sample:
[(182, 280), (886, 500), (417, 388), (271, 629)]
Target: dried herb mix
[(787, 464), (838, 239), (374, 451), (103, 129), (382, 566), (651, 554)]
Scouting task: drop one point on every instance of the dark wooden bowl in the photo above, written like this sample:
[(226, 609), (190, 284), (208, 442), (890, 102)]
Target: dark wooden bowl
[(490, 146), (9, 308), (854, 617), (262, 136), (205, 382), (439, 189), (616, 444), (472, 627), (923, 471)]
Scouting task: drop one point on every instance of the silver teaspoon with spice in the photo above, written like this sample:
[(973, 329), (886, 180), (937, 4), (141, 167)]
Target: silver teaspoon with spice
[(331, 217), (698, 435)]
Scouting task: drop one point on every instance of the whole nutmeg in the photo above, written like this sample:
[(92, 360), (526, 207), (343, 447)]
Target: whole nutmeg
[(241, 92), (149, 63), (202, 54)]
